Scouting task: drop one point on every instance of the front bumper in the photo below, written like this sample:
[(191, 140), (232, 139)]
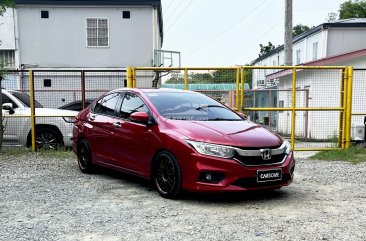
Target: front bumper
[(236, 176)]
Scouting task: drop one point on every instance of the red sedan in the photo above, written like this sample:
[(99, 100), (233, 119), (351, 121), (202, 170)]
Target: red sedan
[(181, 140)]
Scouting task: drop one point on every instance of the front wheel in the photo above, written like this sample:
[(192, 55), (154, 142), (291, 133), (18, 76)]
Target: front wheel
[(167, 176)]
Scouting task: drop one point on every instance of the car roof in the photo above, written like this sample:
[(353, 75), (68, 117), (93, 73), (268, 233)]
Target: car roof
[(154, 90)]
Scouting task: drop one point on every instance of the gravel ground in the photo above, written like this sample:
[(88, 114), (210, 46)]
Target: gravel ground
[(45, 198)]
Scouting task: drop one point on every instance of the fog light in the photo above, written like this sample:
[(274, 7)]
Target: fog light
[(211, 177), (208, 176)]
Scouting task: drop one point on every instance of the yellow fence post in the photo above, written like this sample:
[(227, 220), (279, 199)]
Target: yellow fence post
[(129, 77), (242, 91), (344, 106), (33, 119), (349, 106), (237, 89), (134, 78), (293, 114), (185, 79)]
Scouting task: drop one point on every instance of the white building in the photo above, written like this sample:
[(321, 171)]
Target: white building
[(341, 43), (80, 34)]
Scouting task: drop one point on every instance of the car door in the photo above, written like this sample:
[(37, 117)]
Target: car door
[(11, 125), (101, 128), (131, 140)]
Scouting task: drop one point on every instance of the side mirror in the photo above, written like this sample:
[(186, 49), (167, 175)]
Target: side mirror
[(141, 117), (9, 107)]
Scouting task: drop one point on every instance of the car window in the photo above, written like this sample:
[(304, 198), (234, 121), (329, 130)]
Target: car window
[(6, 99), (107, 104), (190, 106), (25, 99), (131, 103)]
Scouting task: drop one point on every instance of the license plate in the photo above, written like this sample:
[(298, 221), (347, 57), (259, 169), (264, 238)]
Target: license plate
[(269, 175)]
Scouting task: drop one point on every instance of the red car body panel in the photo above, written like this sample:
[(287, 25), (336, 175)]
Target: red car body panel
[(132, 148)]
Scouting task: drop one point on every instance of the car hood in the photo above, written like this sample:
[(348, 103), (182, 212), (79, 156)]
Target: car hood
[(233, 133)]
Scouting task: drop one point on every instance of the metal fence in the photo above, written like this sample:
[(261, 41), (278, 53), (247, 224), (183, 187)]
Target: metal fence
[(358, 113), (310, 106)]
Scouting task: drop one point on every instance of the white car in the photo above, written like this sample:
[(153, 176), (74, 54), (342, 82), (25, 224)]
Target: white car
[(51, 132)]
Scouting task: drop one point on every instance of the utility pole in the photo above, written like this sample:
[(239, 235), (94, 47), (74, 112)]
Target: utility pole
[(288, 32)]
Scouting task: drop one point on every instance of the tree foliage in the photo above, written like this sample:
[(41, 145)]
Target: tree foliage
[(352, 9), (332, 17), (299, 29), (4, 4), (264, 49)]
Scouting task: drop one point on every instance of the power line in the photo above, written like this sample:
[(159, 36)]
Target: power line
[(171, 4), (175, 9), (227, 29), (171, 25), (255, 42)]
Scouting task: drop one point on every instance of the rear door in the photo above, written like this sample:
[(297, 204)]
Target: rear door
[(131, 140), (101, 128)]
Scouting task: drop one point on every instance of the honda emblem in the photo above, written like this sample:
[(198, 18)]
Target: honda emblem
[(266, 154)]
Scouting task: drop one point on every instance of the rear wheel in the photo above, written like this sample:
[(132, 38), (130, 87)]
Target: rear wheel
[(84, 157), (48, 138), (167, 175)]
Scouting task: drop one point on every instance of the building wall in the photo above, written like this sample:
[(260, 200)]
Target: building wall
[(345, 40), (60, 40), (7, 33)]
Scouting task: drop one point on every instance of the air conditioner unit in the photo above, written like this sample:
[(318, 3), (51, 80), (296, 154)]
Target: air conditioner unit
[(358, 133)]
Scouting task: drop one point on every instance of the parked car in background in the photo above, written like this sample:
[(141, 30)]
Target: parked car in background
[(181, 140), (76, 105), (51, 132)]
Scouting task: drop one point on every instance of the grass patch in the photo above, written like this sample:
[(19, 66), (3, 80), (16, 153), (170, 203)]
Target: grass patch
[(353, 155)]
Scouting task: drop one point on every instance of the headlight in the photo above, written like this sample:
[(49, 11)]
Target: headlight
[(212, 149), (287, 146), (69, 119)]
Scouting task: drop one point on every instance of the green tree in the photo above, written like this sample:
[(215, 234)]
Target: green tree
[(352, 9), (332, 17), (266, 48), (4, 4), (299, 29)]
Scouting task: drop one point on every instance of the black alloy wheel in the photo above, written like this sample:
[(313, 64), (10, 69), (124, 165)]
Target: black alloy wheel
[(47, 138), (84, 157), (167, 175)]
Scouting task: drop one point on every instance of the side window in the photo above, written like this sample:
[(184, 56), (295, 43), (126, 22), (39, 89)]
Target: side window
[(131, 103), (6, 99), (107, 104)]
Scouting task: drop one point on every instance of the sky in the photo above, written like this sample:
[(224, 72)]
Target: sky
[(228, 32)]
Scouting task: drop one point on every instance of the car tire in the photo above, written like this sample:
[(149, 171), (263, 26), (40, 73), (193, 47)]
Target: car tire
[(84, 157), (48, 138), (167, 176)]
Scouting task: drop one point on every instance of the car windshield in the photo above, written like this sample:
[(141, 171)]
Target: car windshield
[(190, 106), (25, 99)]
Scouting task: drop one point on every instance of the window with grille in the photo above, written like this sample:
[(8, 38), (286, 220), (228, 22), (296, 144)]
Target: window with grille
[(7, 58), (97, 32), (298, 56)]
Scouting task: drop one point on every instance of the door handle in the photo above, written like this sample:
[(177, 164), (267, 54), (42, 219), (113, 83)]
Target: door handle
[(92, 117), (117, 124)]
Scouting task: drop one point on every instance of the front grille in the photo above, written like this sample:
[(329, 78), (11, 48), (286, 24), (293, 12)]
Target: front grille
[(251, 182), (258, 161)]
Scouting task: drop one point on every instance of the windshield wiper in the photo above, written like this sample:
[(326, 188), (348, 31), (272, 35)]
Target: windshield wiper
[(208, 106), (223, 119)]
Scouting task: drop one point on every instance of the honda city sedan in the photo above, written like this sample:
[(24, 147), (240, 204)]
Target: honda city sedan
[(181, 141)]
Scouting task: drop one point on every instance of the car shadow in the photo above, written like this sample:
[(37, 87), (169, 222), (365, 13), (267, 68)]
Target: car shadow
[(219, 197)]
